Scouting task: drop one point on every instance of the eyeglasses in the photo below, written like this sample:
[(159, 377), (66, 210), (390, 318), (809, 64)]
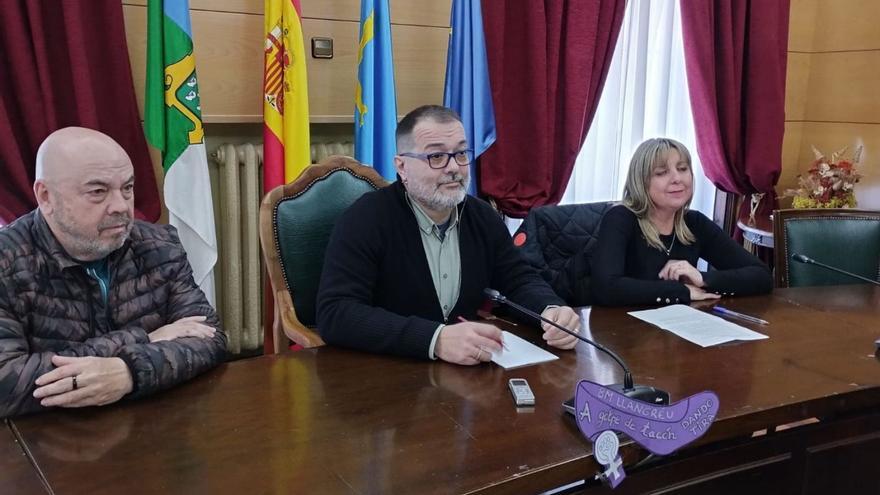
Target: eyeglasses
[(440, 159)]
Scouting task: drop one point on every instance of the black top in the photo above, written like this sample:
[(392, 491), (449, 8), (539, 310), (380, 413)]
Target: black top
[(376, 291), (624, 268)]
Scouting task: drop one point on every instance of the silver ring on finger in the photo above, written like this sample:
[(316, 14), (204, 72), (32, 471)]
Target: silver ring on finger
[(479, 353)]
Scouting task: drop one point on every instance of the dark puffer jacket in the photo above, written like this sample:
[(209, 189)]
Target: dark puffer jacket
[(558, 241), (49, 305)]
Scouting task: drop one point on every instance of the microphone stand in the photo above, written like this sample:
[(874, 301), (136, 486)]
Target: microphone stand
[(643, 393), (800, 258)]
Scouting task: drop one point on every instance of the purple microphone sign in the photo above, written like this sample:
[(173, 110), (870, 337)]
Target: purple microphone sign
[(659, 429)]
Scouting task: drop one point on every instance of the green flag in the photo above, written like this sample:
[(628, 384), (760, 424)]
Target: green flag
[(173, 121)]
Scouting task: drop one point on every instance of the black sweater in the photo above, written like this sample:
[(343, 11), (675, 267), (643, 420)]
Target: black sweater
[(376, 291), (624, 268)]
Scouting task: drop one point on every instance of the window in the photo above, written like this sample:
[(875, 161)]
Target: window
[(645, 96)]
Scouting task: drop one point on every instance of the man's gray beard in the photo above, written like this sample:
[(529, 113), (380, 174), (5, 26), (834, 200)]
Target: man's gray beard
[(87, 248), (436, 199)]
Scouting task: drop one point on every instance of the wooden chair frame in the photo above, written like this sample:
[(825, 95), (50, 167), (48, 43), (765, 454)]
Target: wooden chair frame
[(285, 322)]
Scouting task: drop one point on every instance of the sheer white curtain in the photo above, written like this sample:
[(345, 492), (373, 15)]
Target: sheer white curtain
[(645, 96)]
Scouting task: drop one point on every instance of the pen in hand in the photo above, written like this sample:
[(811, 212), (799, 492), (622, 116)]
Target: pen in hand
[(503, 345), (735, 314)]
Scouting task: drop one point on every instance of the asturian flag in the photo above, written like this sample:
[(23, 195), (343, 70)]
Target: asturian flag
[(375, 109)]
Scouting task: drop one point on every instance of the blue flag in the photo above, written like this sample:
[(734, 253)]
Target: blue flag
[(375, 112), (467, 90)]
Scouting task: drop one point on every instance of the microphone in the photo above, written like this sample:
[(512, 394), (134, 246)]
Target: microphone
[(639, 392), (800, 258)]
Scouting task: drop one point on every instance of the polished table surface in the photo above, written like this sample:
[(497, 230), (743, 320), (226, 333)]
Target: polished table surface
[(17, 474), (329, 420), (857, 303)]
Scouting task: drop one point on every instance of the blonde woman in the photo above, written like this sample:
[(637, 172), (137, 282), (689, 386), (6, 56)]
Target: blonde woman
[(648, 247)]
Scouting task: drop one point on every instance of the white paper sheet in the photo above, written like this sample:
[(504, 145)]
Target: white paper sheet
[(520, 353), (696, 326)]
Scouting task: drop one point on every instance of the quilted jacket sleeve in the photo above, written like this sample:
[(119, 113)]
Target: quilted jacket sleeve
[(558, 241), (161, 365), (18, 367)]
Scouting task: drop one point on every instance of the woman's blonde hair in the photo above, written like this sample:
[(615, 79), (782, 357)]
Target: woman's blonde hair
[(648, 156)]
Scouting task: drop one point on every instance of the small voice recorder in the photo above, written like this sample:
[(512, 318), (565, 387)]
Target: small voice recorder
[(522, 393)]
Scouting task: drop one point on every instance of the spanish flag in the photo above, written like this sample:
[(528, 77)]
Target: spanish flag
[(286, 151)]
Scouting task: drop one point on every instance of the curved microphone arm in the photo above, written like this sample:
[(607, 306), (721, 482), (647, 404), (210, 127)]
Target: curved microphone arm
[(801, 258), (499, 298)]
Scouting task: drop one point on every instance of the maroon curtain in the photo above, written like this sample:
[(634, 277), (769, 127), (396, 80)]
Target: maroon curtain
[(547, 62), (65, 63), (736, 54)]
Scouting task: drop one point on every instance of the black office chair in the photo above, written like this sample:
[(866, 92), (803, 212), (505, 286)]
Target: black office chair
[(843, 238), (557, 240)]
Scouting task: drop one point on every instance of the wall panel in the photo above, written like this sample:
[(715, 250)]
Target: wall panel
[(237, 6), (332, 81), (419, 68), (416, 12), (802, 25), (843, 87), (228, 36), (831, 86), (229, 67), (791, 148), (843, 25), (797, 81)]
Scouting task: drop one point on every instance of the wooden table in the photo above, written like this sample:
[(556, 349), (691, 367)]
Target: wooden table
[(17, 474), (859, 303), (336, 421)]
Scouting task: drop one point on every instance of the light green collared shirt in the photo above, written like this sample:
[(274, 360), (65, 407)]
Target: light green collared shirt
[(444, 260)]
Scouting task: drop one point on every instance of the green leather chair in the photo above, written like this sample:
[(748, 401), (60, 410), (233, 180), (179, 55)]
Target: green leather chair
[(842, 238), (296, 220)]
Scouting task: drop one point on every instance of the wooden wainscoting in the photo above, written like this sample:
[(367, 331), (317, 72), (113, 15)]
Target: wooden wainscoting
[(228, 38)]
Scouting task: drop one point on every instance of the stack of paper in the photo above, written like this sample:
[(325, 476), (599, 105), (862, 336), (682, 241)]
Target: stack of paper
[(696, 326)]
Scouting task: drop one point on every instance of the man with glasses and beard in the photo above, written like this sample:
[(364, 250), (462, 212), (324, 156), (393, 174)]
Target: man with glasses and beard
[(406, 265), (94, 305)]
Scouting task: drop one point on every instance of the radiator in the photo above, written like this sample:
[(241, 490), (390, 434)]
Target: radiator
[(321, 150), (239, 275), (238, 272)]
